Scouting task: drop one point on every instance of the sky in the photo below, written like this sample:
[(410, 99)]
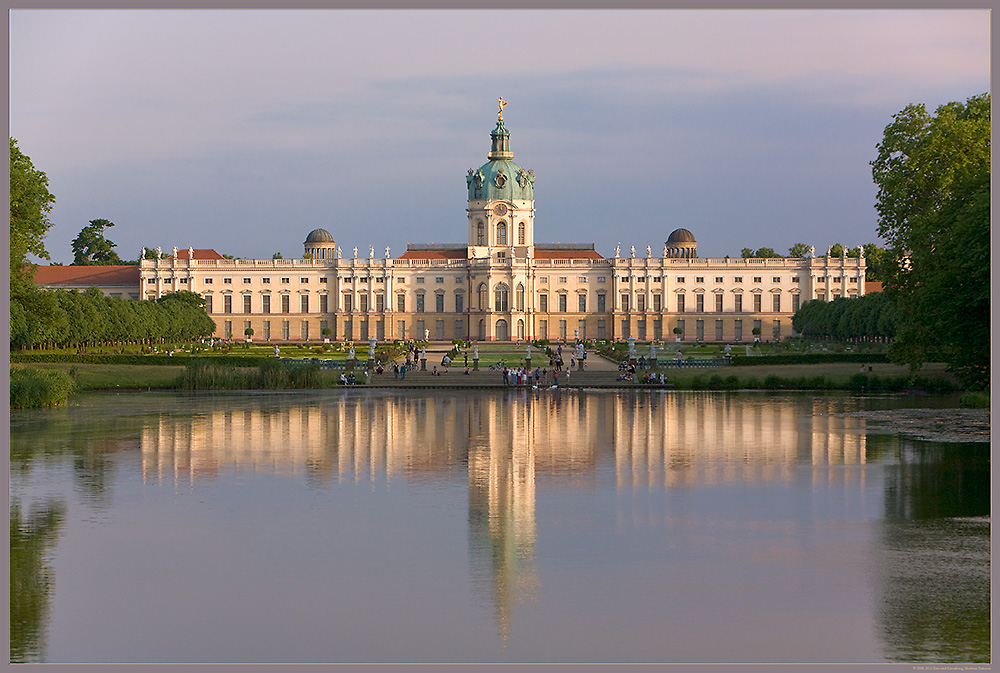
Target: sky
[(243, 130)]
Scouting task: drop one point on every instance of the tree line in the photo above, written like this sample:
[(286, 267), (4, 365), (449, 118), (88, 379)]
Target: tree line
[(870, 316), (61, 318)]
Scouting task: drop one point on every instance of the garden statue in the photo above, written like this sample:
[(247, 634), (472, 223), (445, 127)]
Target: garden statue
[(350, 352)]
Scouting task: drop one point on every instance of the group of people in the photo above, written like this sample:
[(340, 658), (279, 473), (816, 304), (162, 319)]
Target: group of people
[(347, 379), (525, 376), (645, 378)]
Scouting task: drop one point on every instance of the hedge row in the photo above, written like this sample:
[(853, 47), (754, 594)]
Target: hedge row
[(137, 359), (806, 359)]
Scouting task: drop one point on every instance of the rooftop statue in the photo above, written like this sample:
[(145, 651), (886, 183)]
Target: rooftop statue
[(502, 104)]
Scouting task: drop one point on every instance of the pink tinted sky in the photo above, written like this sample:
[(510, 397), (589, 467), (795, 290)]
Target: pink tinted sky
[(244, 130)]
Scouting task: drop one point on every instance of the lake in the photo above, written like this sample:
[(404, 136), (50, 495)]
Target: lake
[(494, 526)]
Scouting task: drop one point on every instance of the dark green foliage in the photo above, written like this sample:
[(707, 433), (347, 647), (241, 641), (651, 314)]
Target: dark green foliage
[(870, 316), (91, 248), (269, 374), (31, 388), (974, 400), (30, 204), (933, 176), (806, 359)]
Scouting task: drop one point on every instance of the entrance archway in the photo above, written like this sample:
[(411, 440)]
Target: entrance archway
[(502, 332)]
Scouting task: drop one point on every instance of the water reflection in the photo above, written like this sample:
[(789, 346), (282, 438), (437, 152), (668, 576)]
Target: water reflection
[(510, 446), (32, 539)]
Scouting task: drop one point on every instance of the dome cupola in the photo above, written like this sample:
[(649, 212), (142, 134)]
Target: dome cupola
[(319, 244), (500, 178), (680, 243)]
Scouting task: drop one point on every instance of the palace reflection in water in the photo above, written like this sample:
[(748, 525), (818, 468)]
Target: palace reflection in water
[(507, 442)]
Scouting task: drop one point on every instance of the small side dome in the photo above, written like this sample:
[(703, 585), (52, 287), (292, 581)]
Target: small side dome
[(680, 243), (319, 236), (680, 236)]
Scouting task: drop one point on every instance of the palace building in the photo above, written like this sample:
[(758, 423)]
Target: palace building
[(500, 284)]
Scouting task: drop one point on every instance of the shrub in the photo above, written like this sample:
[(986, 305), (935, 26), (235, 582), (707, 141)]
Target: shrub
[(31, 388), (974, 400)]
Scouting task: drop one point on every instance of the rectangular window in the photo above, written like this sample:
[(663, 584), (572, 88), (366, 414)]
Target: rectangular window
[(602, 279), (680, 303), (400, 329), (401, 303), (304, 304), (738, 279), (699, 330), (563, 279), (601, 330), (265, 303), (305, 330), (348, 303), (439, 329), (285, 330), (718, 303), (208, 303), (756, 326), (718, 279), (718, 330), (246, 303), (562, 330), (459, 329), (625, 302), (439, 304), (228, 329), (776, 330), (208, 281), (699, 279), (286, 304), (775, 279), (400, 280), (657, 303), (581, 279), (738, 303), (459, 303), (380, 303), (680, 279), (640, 302), (795, 303), (699, 303), (420, 330), (581, 303), (757, 279), (285, 281), (246, 281), (323, 326), (420, 303), (439, 279), (543, 329), (227, 280), (756, 303), (324, 302), (602, 303), (562, 303), (227, 303), (738, 330), (303, 280), (543, 280), (183, 282), (641, 330), (543, 304), (795, 279), (776, 302), (625, 329), (658, 329), (265, 281), (363, 303), (420, 280), (581, 329), (266, 329), (322, 280)]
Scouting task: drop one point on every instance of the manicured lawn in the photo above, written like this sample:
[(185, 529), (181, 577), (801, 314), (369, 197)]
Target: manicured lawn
[(100, 377), (838, 372)]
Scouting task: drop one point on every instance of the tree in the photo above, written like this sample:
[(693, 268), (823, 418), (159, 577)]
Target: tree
[(91, 248), (800, 250), (30, 204), (762, 253), (933, 201)]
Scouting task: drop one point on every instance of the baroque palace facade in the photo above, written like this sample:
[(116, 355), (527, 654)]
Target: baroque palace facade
[(500, 284)]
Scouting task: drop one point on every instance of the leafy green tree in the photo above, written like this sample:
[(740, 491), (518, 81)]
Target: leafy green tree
[(762, 253), (30, 204), (933, 179), (800, 250), (875, 260), (91, 248)]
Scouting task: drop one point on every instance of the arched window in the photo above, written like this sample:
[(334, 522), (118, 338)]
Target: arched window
[(483, 297), (480, 234), (519, 296), (520, 234), (501, 297), (502, 233), (520, 329)]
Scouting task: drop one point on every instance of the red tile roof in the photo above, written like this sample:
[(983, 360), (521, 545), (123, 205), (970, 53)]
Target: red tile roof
[(434, 254), (85, 276), (199, 253), (567, 254), (872, 286)]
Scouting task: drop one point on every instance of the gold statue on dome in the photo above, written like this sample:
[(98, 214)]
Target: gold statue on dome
[(502, 103)]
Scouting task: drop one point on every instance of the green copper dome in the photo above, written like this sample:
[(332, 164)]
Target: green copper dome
[(500, 178)]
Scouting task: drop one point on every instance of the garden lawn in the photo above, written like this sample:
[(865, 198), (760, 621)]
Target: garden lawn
[(103, 377)]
